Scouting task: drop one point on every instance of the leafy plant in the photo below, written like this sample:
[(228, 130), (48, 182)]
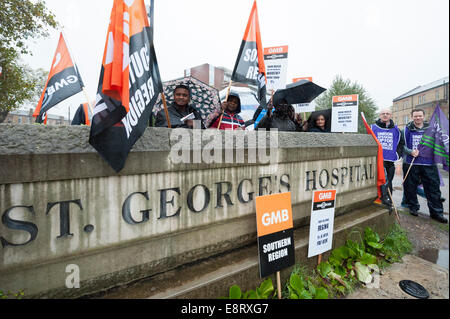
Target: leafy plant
[(264, 291), (304, 288), (17, 295)]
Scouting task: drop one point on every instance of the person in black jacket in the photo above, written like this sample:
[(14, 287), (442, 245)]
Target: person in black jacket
[(178, 110), (319, 122), (283, 118)]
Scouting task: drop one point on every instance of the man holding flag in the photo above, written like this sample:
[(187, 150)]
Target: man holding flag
[(418, 167), (129, 83)]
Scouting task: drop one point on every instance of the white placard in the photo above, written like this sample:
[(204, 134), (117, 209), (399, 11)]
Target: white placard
[(344, 113), (322, 222), (275, 59), (304, 107)]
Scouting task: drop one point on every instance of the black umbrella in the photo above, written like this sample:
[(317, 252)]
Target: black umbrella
[(302, 91)]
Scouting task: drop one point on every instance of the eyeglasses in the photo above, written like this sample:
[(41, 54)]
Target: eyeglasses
[(385, 113)]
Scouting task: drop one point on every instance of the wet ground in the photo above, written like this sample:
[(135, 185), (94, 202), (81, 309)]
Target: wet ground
[(428, 263)]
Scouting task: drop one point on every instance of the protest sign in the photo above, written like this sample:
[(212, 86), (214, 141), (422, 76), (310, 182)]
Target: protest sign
[(322, 222), (275, 233), (344, 114), (275, 59)]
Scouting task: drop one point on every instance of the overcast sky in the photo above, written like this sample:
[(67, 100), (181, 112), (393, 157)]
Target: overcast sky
[(387, 46)]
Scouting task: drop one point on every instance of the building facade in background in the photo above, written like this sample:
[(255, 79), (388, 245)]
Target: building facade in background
[(425, 97), (26, 117)]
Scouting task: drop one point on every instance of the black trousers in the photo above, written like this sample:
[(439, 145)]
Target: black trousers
[(390, 172), (429, 177)]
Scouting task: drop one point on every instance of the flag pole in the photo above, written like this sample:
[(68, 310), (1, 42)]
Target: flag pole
[(166, 111), (226, 98), (407, 172), (393, 205)]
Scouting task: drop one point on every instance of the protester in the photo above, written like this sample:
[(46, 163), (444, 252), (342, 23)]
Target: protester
[(283, 118), (389, 135), (319, 122), (179, 110), (422, 170), (231, 120)]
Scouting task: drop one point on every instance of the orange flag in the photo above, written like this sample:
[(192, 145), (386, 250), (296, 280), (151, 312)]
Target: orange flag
[(63, 81), (249, 67), (129, 83), (381, 177)]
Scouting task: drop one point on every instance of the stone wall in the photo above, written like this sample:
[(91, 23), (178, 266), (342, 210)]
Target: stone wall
[(61, 204)]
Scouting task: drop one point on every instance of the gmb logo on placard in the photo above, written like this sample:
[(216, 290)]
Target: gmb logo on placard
[(275, 217)]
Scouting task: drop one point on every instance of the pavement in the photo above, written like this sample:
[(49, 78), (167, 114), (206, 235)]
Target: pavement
[(428, 263), (398, 192)]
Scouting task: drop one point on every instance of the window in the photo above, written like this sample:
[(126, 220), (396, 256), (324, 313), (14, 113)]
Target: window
[(437, 94), (405, 119), (423, 98)]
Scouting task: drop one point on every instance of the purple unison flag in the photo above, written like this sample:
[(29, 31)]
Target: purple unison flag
[(434, 143)]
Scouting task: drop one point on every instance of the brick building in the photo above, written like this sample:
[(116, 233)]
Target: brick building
[(26, 117), (424, 97)]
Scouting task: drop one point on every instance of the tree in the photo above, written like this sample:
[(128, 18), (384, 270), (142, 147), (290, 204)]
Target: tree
[(345, 87), (20, 21)]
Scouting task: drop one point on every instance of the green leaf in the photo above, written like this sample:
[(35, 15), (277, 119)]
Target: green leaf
[(370, 235), (305, 295), (293, 296), (375, 245), (363, 273), (321, 293), (266, 288), (251, 294), (235, 292), (296, 283), (324, 268), (368, 259), (311, 288)]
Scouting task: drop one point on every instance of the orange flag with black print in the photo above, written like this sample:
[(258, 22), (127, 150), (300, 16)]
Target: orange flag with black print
[(129, 83), (63, 81), (249, 67), (381, 176)]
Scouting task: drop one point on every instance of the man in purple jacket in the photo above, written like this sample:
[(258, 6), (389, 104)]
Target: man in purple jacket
[(389, 136), (422, 170)]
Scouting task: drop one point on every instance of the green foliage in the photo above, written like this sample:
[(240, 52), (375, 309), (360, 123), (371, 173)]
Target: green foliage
[(20, 21), (264, 291), (396, 244), (348, 266), (7, 295), (303, 288), (340, 86)]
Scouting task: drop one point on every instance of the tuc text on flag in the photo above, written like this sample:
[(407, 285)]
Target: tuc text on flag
[(129, 83), (63, 81), (249, 67)]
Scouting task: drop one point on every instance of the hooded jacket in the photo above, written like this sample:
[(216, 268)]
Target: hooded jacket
[(230, 120), (411, 136)]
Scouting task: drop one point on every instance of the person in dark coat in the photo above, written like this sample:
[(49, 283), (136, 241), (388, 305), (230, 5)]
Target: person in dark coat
[(178, 110), (319, 122), (283, 118)]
